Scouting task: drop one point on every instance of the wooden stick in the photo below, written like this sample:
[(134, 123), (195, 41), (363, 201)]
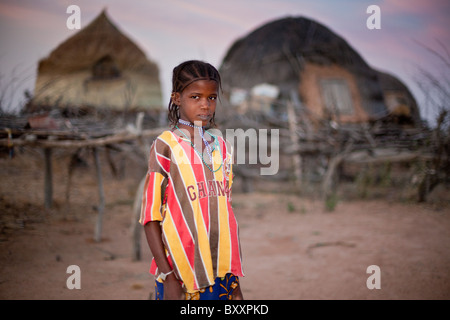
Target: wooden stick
[(86, 142), (101, 205), (136, 227), (48, 180), (296, 158)]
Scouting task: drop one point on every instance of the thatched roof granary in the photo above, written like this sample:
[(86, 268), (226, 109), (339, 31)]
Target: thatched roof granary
[(98, 67), (296, 54)]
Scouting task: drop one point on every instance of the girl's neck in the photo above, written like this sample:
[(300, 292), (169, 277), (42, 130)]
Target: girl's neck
[(192, 128), (190, 131), (201, 139)]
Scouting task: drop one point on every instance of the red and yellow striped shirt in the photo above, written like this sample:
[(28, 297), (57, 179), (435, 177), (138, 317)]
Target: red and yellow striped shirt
[(199, 229)]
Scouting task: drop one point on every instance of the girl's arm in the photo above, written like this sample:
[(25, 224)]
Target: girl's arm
[(172, 287)]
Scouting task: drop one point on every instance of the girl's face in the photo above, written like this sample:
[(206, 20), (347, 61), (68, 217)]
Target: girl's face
[(197, 101)]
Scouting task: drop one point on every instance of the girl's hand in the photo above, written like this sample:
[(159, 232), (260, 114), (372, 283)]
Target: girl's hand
[(173, 289)]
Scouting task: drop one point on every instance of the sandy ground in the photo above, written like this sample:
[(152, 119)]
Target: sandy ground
[(292, 247)]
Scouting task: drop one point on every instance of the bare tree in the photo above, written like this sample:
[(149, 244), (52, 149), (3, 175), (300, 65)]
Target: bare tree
[(436, 89), (9, 85)]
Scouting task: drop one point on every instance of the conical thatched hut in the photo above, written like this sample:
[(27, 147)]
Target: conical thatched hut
[(98, 67), (299, 56)]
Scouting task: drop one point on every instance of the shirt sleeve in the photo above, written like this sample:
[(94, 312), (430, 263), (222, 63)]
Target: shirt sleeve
[(156, 181)]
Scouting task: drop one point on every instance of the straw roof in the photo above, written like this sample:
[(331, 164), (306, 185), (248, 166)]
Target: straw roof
[(97, 68), (277, 52), (98, 39)]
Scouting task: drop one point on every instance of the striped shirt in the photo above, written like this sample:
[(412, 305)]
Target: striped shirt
[(199, 229)]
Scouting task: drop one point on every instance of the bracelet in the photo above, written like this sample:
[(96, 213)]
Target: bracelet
[(163, 276)]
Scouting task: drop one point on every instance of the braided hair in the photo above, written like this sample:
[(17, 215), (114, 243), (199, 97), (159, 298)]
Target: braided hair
[(183, 75)]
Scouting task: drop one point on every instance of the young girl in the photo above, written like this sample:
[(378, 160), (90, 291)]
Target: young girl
[(186, 208)]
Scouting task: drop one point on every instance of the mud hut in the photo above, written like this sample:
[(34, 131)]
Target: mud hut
[(399, 100), (331, 108), (98, 67), (309, 64)]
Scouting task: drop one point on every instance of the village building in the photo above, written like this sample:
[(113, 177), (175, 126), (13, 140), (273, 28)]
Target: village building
[(98, 67), (96, 94), (309, 64), (335, 114)]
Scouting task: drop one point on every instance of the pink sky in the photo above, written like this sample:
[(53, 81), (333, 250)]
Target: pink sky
[(170, 31)]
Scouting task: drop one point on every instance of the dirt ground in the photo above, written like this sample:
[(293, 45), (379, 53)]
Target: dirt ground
[(292, 247)]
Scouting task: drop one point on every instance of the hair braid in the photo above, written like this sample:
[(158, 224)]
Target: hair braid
[(183, 75)]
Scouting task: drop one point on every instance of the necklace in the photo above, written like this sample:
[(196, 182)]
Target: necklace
[(202, 134), (208, 147)]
